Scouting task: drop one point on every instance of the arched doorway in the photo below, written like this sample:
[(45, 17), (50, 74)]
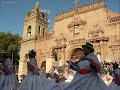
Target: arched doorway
[(99, 57), (76, 54), (43, 63)]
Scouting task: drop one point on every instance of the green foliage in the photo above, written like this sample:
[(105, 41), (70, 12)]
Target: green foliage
[(10, 43)]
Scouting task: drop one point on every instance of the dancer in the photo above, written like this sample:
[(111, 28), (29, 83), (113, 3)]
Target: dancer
[(33, 81), (70, 76), (115, 85), (42, 71), (53, 74), (86, 77), (8, 80)]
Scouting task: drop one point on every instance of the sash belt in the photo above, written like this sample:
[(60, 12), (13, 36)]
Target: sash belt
[(84, 71)]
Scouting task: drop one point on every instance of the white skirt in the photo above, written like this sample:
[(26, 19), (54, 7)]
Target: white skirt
[(91, 81), (114, 86), (8, 82), (36, 82)]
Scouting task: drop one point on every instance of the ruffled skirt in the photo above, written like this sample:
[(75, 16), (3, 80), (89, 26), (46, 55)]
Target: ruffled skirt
[(114, 86), (8, 82), (36, 82), (91, 81)]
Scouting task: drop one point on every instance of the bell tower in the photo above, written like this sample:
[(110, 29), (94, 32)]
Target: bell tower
[(35, 25), (36, 22)]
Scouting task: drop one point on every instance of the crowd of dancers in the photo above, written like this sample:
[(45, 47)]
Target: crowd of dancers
[(85, 74)]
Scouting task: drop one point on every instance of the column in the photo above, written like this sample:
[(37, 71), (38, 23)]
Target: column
[(63, 55), (102, 49)]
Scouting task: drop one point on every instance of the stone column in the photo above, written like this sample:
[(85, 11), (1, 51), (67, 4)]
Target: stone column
[(102, 49), (116, 53), (22, 68), (63, 55), (49, 63)]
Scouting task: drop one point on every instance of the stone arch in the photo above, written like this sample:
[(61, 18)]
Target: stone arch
[(43, 31), (75, 52), (99, 56), (43, 63), (39, 30), (29, 31)]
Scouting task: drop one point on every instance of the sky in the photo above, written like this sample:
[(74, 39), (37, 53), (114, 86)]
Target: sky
[(12, 12)]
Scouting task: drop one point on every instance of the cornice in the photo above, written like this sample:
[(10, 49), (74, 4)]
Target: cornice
[(82, 9), (25, 39)]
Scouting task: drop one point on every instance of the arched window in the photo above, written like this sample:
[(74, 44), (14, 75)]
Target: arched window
[(77, 29), (76, 54), (43, 63), (29, 31), (99, 57), (39, 29), (43, 31), (43, 15)]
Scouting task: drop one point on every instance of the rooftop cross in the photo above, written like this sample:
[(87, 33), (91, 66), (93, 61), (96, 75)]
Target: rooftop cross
[(76, 2), (37, 3)]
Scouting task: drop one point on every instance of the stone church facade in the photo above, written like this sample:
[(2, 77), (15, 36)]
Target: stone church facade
[(92, 23)]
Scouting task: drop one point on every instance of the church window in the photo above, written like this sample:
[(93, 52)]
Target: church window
[(39, 30), (29, 31), (43, 15), (76, 54), (99, 57), (77, 29), (43, 31)]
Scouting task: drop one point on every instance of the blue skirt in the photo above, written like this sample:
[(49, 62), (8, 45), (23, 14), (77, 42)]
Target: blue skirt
[(91, 81)]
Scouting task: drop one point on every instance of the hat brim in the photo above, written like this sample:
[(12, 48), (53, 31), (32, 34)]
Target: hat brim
[(31, 53), (83, 46)]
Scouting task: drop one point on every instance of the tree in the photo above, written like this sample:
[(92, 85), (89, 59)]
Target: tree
[(10, 43)]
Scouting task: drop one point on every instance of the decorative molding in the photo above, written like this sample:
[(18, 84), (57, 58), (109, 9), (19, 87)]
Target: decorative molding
[(97, 31), (25, 39), (98, 39), (45, 37), (77, 41), (82, 9), (76, 22), (60, 40), (102, 39), (115, 45), (114, 20)]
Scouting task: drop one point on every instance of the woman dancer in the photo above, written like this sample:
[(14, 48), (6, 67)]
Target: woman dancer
[(33, 81), (115, 85), (53, 75), (86, 77), (8, 80)]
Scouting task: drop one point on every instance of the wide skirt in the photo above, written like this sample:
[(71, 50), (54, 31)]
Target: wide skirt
[(91, 81), (114, 86), (8, 82), (36, 82)]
